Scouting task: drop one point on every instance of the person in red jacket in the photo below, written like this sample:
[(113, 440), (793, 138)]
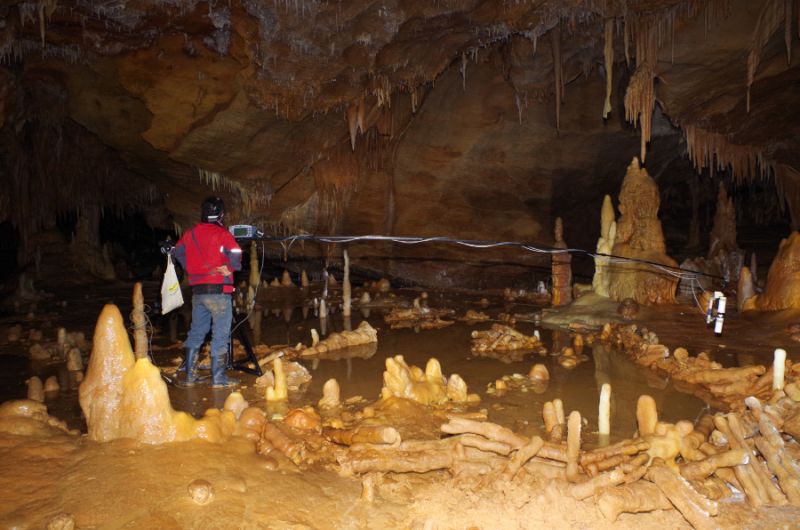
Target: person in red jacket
[(209, 255)]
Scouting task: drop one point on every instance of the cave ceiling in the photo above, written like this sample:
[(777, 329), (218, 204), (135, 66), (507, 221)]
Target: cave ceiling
[(475, 118)]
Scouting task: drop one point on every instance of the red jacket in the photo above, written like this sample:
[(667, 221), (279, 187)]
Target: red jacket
[(204, 248)]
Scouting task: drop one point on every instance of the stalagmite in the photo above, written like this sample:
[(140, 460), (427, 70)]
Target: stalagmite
[(100, 392), (604, 412), (330, 395), (235, 403), (539, 373), (323, 309), (744, 290), (778, 368), (605, 245), (255, 273), (286, 279), (51, 385), (74, 360), (639, 236), (314, 337), (139, 322), (561, 268), (35, 389), (646, 415), (346, 289), (304, 283), (608, 57), (278, 391)]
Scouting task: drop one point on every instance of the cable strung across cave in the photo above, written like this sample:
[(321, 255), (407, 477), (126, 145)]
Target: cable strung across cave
[(485, 244)]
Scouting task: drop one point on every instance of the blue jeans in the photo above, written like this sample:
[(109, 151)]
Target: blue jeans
[(214, 312)]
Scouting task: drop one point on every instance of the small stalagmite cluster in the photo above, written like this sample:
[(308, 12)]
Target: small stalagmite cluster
[(428, 388), (125, 397)]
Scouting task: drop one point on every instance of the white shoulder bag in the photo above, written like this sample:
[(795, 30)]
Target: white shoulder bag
[(171, 296)]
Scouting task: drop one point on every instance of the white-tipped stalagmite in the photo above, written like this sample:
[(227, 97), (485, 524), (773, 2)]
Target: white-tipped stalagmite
[(278, 391), (604, 410), (330, 395), (605, 244), (314, 337), (778, 368), (346, 288)]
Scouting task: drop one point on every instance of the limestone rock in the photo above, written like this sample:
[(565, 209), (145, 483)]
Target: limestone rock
[(200, 491)]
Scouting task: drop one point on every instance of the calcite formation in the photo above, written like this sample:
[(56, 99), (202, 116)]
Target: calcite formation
[(123, 397), (639, 237), (427, 387), (605, 245), (782, 290), (100, 393)]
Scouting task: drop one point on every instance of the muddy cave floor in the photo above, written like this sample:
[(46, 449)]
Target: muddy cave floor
[(124, 484)]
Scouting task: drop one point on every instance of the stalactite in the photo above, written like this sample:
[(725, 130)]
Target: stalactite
[(639, 102), (463, 71), (769, 20), (787, 35), (712, 150), (608, 56), (414, 100), (351, 115), (361, 115), (555, 40)]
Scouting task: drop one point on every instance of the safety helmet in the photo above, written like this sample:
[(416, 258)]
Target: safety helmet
[(212, 210)]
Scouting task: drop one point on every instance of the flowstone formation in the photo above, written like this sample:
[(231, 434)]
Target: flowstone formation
[(639, 236), (123, 397), (783, 280)]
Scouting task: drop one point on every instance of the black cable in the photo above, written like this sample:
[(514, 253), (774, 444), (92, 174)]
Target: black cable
[(483, 244)]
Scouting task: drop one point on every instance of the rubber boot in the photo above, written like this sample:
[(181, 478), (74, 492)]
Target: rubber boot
[(219, 366), (190, 365)]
